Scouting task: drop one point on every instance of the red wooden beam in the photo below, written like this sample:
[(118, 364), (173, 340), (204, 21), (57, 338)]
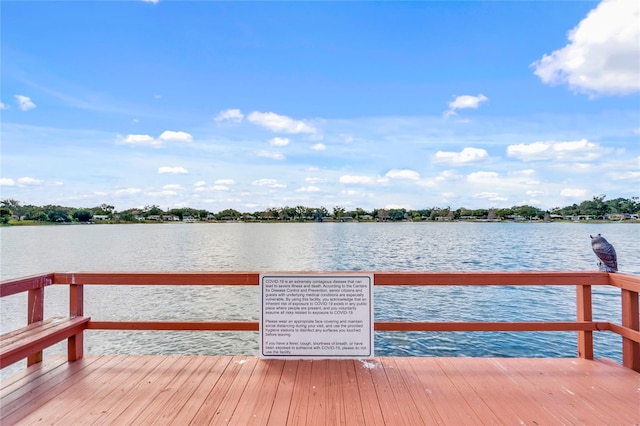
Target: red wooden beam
[(175, 325), (157, 278), (20, 285)]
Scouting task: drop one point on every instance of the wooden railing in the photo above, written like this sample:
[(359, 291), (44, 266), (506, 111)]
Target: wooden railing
[(584, 325)]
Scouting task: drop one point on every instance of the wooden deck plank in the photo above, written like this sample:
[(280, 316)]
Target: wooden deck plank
[(233, 396), (535, 403), (544, 391), (371, 409), (254, 406), (334, 393), (317, 401), (190, 400), (594, 384), (388, 404), (184, 393), (116, 386), (409, 411), (169, 391), (301, 391), (470, 402), (218, 404), (564, 401), (421, 396), (103, 389), (351, 402), (450, 405), (131, 393), (80, 392), (510, 402), (152, 387), (38, 391), (50, 363), (284, 393)]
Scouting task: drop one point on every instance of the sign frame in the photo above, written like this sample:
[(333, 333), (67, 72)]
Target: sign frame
[(316, 316)]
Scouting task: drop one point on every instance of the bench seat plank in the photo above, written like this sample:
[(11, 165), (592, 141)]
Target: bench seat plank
[(21, 343)]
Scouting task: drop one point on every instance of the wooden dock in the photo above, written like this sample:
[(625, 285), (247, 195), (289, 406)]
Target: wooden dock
[(240, 390), (81, 389)]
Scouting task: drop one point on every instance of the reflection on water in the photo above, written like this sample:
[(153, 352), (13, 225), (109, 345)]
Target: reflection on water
[(322, 247)]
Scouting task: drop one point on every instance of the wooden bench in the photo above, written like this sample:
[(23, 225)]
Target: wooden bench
[(32, 339)]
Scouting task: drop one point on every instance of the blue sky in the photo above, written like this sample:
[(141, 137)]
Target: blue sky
[(251, 105)]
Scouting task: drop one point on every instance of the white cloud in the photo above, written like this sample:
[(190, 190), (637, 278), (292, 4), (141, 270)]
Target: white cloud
[(225, 182), (313, 180), (602, 56), (491, 196), (309, 188), (574, 193), (24, 103), (199, 183), (271, 183), (535, 193), (138, 140), (397, 206), (447, 176), (362, 180), (128, 191), (628, 175), (172, 187), (279, 141), (172, 170), (171, 136), (212, 188), (464, 101), (483, 177), (346, 137), (581, 150), (525, 177), (163, 193), (233, 115), (274, 155), (319, 147), (7, 182), (264, 182), (3, 105), (29, 181), (402, 174), (466, 156), (279, 123)]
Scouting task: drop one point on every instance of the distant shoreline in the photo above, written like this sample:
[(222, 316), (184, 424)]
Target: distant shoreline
[(213, 222)]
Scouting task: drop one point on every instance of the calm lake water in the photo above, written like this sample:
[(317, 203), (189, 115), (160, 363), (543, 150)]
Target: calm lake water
[(260, 247)]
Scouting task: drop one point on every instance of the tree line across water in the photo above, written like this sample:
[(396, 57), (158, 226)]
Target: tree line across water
[(13, 212)]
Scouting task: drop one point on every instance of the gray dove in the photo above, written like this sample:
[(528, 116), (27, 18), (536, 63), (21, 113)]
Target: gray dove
[(605, 252)]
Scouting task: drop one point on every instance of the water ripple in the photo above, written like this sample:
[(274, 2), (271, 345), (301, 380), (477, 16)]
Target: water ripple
[(323, 247)]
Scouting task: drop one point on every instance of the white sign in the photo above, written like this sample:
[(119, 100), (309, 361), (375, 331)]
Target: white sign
[(316, 316)]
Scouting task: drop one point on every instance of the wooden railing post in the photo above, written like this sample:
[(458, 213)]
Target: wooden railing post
[(35, 314), (585, 313), (75, 343), (630, 319)]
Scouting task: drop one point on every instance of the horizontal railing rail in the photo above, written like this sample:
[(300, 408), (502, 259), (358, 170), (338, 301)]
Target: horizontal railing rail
[(584, 325)]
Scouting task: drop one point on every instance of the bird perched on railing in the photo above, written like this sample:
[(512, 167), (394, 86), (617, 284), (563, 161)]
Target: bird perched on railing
[(605, 252)]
